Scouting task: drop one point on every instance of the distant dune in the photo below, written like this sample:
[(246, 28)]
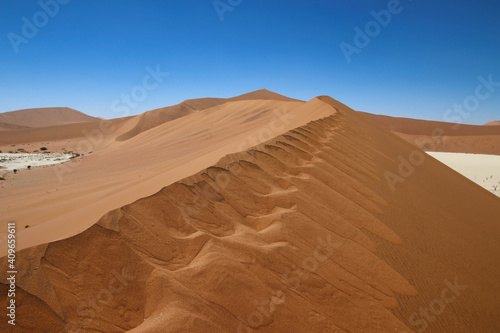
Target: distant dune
[(493, 123), (442, 136), (43, 117), (74, 133), (254, 215), (156, 117), (5, 126), (263, 94), (127, 127)]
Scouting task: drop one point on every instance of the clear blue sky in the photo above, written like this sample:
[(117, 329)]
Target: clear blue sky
[(90, 53)]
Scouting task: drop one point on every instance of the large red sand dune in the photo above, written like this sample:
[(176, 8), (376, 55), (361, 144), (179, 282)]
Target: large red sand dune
[(120, 129), (119, 172), (5, 126), (256, 216), (442, 136), (42, 117), (156, 117)]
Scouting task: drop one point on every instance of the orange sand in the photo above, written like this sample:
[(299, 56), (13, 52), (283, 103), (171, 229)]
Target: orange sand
[(441, 136), (233, 219)]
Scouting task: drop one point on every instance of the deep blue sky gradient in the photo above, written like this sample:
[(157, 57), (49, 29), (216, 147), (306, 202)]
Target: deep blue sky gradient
[(426, 60)]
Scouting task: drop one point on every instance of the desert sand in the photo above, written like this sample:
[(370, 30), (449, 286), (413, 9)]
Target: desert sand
[(121, 171), (441, 136), (493, 123), (43, 117), (257, 214)]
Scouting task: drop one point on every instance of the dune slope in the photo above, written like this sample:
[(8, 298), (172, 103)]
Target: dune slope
[(156, 117), (300, 233), (442, 136), (5, 126), (42, 117), (57, 133), (68, 133), (493, 123), (61, 201)]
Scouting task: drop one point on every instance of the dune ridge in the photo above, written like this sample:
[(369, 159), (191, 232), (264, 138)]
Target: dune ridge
[(299, 233), (120, 172), (61, 133), (239, 216), (154, 118)]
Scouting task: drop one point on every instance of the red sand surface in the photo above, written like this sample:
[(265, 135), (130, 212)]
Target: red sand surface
[(42, 117), (254, 215), (441, 136)]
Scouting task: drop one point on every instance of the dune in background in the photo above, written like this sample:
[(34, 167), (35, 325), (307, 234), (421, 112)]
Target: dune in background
[(43, 117), (58, 136), (296, 231), (5, 126), (156, 117), (442, 136), (493, 123)]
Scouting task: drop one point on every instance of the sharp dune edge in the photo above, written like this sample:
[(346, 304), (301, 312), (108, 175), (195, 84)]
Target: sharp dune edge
[(296, 233)]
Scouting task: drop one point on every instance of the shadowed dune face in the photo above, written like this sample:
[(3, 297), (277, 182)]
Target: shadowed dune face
[(300, 233), (441, 136)]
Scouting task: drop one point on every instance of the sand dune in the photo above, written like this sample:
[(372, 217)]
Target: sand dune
[(120, 129), (157, 117), (119, 172), (42, 117), (493, 123), (72, 133), (5, 126), (441, 136), (263, 94), (290, 226)]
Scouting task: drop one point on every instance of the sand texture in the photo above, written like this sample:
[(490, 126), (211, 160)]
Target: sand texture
[(255, 215)]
